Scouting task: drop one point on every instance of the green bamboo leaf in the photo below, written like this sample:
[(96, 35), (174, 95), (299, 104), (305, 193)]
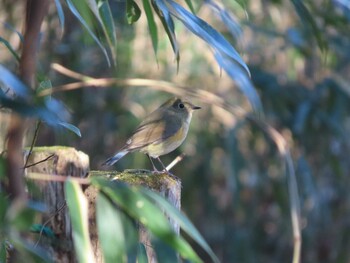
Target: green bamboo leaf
[(103, 14), (151, 25), (310, 23), (141, 254), (190, 6), (9, 47), (78, 211), (86, 24), (28, 252), (185, 224), (163, 252), (133, 12), (60, 14), (168, 24), (141, 209), (3, 254), (110, 230), (108, 26), (70, 127)]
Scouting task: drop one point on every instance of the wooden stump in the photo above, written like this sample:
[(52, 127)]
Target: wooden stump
[(164, 184), (58, 161), (69, 162)]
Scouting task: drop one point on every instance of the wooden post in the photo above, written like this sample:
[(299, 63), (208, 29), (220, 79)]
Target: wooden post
[(162, 183), (69, 162), (65, 161)]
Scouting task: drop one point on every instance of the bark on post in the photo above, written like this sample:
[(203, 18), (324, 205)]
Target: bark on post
[(57, 161)]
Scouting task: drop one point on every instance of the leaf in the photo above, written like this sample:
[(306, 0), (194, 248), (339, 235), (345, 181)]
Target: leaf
[(70, 127), (110, 230), (133, 12), (203, 30), (185, 224), (3, 253), (9, 47), (78, 211), (190, 6), (4, 205), (151, 24), (60, 14), (140, 208), (43, 230), (104, 17), (244, 83), (108, 26), (28, 252), (141, 254), (12, 81), (75, 12), (163, 251), (168, 24), (227, 18), (310, 23)]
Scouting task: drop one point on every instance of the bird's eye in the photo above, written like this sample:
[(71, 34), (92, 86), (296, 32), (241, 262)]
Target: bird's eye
[(181, 105)]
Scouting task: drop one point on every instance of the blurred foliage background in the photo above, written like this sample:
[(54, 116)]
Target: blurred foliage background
[(234, 184)]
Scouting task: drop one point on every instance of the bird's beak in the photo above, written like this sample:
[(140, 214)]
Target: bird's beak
[(195, 107)]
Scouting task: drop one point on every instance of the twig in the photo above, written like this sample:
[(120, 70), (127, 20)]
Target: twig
[(41, 161), (56, 178), (175, 161), (48, 220), (178, 90), (33, 143)]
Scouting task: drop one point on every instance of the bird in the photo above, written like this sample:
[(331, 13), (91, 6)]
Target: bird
[(160, 133)]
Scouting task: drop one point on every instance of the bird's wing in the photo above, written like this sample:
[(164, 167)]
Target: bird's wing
[(153, 130)]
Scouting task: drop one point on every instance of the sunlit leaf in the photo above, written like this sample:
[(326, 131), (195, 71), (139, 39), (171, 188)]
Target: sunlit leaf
[(60, 14), (78, 212), (244, 83), (227, 18), (140, 208), (182, 220), (103, 14), (203, 30), (163, 13), (309, 22), (151, 24), (110, 230), (133, 12), (9, 47), (70, 127), (75, 12), (108, 25)]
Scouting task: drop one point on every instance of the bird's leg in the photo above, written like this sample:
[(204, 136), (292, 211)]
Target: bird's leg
[(154, 167), (165, 170)]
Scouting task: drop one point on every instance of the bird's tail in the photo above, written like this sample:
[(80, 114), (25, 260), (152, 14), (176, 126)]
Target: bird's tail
[(115, 158)]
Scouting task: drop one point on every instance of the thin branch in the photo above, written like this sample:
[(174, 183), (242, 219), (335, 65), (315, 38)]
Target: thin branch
[(56, 178), (35, 137), (48, 220), (41, 161), (178, 90), (175, 161)]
